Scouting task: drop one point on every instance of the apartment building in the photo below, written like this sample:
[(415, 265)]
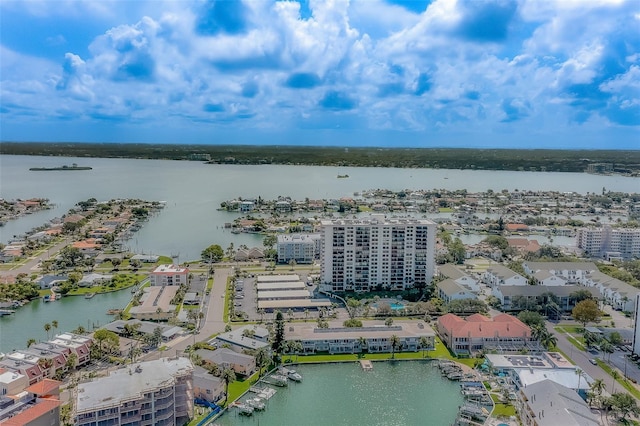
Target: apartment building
[(372, 338), (503, 333), (303, 248), (377, 252), (169, 275), (149, 393), (499, 275), (611, 243)]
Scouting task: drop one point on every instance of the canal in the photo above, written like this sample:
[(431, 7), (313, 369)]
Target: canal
[(394, 393), (72, 311)]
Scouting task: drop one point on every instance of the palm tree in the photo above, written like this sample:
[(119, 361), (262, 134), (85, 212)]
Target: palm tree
[(228, 376), (424, 343), (262, 359), (30, 342), (47, 328), (54, 324), (548, 340), (616, 376), (395, 342), (597, 387), (362, 342), (579, 372)]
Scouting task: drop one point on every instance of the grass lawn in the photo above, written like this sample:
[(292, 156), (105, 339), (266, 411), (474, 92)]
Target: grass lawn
[(445, 210), (503, 410), (122, 281), (574, 336), (237, 388), (209, 285), (440, 351), (164, 260), (622, 381)]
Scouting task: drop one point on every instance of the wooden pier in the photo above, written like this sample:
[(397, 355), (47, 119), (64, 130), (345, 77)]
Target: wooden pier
[(366, 365)]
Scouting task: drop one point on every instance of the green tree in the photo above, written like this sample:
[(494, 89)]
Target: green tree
[(362, 341), (352, 307), (531, 318), (457, 250), (395, 343), (615, 338), (213, 253), (269, 241), (262, 359), (424, 344), (116, 261), (580, 295), (54, 325), (388, 322), (228, 376), (47, 328), (103, 336), (586, 311), (30, 342), (352, 322), (278, 338), (624, 404)]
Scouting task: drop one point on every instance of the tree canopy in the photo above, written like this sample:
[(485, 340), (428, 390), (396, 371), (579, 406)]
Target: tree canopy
[(586, 311), (213, 253)]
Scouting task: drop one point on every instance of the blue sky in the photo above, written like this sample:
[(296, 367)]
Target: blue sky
[(441, 73)]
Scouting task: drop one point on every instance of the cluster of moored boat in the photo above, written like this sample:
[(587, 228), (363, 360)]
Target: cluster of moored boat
[(258, 403)]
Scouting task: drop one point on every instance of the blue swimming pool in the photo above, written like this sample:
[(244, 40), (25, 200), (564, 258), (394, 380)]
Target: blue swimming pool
[(394, 305)]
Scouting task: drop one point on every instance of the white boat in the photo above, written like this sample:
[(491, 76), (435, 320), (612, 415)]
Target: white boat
[(294, 375), (255, 403), (279, 379)]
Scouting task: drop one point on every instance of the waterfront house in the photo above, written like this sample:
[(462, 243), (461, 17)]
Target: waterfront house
[(372, 338), (547, 403), (499, 275), (90, 280), (207, 386), (467, 336), (240, 340), (48, 281), (242, 364)]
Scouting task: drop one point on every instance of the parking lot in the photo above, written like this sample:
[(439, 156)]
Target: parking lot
[(246, 296)]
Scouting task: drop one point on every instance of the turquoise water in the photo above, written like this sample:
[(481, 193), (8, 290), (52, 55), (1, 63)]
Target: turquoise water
[(395, 393), (395, 306)]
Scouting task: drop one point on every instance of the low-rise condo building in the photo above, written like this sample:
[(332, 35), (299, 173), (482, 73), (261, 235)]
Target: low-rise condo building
[(302, 248), (169, 275), (372, 338), (467, 336), (148, 393)]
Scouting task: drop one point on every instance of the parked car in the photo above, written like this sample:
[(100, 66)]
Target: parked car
[(593, 361)]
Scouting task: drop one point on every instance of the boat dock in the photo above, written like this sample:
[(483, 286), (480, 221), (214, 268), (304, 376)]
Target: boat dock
[(366, 365), (263, 392)]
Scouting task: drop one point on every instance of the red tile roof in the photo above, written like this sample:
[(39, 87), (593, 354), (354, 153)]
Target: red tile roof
[(477, 326), (41, 408), (44, 387)]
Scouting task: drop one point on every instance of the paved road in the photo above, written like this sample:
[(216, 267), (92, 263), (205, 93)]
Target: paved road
[(581, 359), (30, 265), (212, 323)]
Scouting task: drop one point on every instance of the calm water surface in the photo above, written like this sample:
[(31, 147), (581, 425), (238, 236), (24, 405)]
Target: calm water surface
[(194, 191), (28, 321), (401, 393)]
